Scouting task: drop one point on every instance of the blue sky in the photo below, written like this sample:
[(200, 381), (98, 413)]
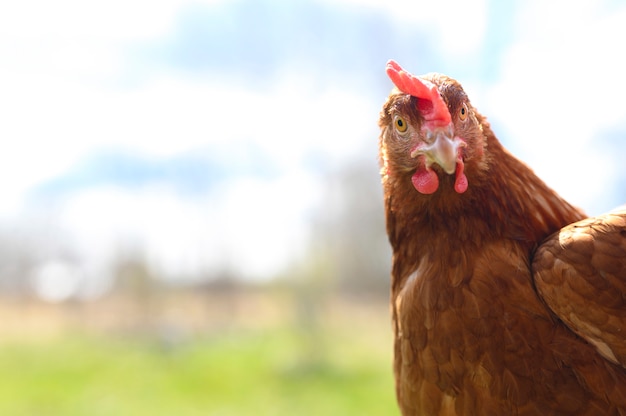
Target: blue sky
[(202, 131)]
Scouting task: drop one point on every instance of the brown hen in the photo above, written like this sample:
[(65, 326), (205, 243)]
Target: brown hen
[(497, 309)]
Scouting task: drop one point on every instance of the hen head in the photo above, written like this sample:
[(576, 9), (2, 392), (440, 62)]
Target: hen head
[(431, 133)]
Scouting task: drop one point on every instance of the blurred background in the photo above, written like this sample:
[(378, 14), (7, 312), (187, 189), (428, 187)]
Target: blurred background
[(191, 217)]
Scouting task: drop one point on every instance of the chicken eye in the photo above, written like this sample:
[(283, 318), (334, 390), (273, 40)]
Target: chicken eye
[(463, 111), (400, 124)]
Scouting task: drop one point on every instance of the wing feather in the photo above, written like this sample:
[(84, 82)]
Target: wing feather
[(580, 272)]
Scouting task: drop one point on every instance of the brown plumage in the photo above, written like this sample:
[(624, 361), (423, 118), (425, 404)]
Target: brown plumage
[(471, 228)]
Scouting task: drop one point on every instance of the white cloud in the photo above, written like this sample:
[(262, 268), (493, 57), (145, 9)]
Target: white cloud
[(115, 20), (250, 226), (457, 26), (559, 92), (59, 106), (255, 226), (265, 223), (57, 59), (174, 235), (49, 124)]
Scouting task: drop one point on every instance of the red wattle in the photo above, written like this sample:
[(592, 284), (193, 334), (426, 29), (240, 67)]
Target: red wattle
[(425, 181), (460, 182)]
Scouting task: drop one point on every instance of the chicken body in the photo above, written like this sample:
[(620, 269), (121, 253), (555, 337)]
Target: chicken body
[(465, 219)]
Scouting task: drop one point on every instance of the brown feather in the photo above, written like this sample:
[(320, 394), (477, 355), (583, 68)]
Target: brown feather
[(581, 274)]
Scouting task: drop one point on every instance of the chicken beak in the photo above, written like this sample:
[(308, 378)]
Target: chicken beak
[(441, 147)]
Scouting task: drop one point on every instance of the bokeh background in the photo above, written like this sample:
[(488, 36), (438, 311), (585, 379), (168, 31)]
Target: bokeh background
[(191, 217)]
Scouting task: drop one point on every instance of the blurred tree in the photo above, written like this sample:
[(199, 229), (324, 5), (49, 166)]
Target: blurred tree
[(135, 282), (348, 255), (351, 230), (16, 262), (22, 250)]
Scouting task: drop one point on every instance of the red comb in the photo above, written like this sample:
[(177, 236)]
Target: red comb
[(436, 111)]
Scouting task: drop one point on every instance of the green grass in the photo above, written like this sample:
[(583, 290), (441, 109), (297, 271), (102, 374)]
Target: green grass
[(271, 372)]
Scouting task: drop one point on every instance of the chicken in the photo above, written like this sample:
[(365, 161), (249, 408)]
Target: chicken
[(499, 305)]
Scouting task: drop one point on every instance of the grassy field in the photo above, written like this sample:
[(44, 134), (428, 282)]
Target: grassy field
[(340, 366)]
